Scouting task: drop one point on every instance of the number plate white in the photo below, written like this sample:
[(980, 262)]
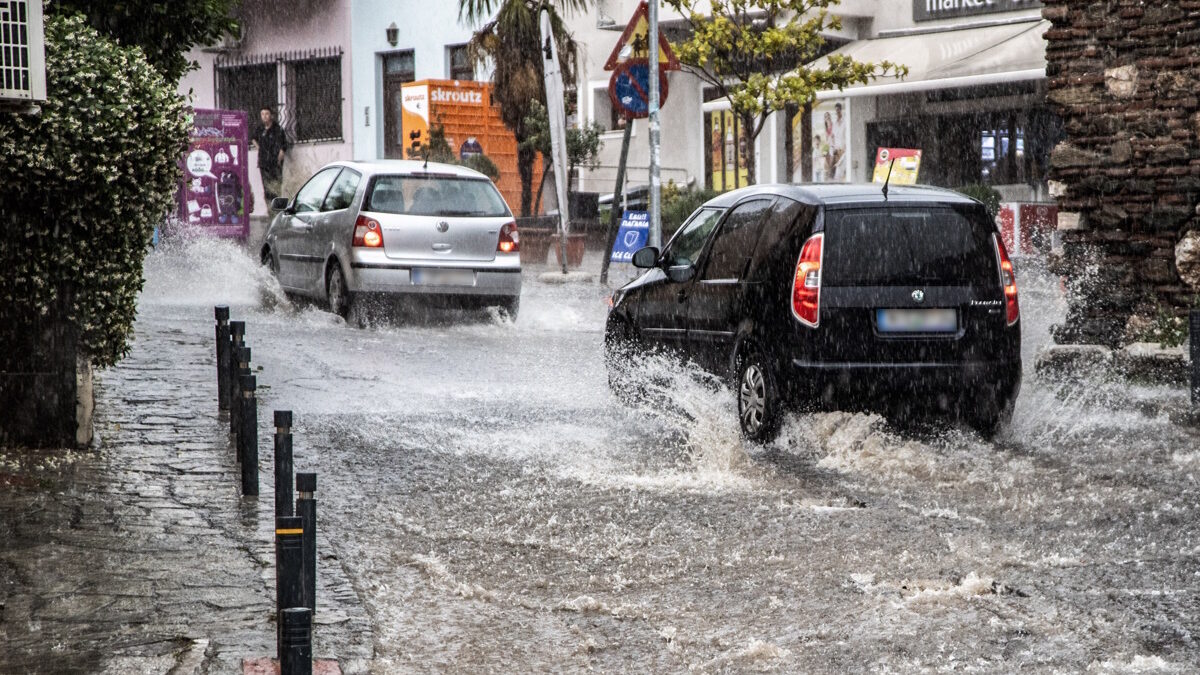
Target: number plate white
[(442, 277), (917, 320)]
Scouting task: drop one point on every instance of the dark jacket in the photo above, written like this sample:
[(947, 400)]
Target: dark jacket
[(270, 141)]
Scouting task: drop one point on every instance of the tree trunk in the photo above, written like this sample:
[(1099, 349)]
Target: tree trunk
[(751, 134), (525, 159)]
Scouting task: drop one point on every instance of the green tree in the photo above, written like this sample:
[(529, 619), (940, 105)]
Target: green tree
[(85, 183), (164, 29), (583, 143), (511, 42), (756, 54)]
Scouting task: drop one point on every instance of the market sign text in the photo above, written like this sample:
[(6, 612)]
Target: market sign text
[(931, 10)]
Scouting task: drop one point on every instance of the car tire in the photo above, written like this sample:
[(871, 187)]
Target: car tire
[(337, 295), (270, 262), (620, 346), (986, 415), (510, 308), (759, 405)]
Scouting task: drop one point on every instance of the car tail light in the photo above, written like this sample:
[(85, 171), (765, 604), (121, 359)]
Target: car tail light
[(806, 287), (368, 233), (510, 241), (1008, 279)]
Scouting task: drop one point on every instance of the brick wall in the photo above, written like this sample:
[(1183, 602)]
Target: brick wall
[(1125, 78)]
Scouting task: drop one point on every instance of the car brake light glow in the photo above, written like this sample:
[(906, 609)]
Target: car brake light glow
[(1008, 279), (367, 233), (806, 287), (510, 241)]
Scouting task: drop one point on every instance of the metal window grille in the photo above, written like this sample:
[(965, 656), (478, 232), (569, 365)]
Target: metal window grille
[(461, 67), (22, 51), (304, 89)]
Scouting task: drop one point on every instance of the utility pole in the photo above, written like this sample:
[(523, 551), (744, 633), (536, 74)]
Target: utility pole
[(652, 105)]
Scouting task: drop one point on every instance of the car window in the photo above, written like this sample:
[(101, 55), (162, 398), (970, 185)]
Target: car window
[(909, 245), (310, 196), (436, 195), (773, 257), (342, 193), (734, 244), (686, 245)]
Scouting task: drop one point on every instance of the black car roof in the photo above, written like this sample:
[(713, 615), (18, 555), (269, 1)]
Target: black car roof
[(845, 194)]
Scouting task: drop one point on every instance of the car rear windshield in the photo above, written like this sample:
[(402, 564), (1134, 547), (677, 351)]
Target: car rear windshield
[(887, 246), (436, 195)]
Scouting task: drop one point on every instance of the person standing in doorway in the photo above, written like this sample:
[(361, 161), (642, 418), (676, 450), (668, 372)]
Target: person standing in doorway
[(272, 143)]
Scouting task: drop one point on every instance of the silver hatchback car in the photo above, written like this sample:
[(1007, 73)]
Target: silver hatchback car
[(396, 227)]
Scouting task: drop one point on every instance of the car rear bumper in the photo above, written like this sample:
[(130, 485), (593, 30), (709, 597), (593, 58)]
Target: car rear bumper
[(1001, 379), (388, 278)]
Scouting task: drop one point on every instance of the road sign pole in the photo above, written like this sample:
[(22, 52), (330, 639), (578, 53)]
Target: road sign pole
[(617, 203), (652, 99)]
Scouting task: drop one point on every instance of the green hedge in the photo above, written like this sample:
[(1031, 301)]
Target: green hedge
[(85, 182)]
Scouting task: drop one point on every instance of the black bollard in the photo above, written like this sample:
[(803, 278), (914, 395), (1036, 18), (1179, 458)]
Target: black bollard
[(237, 340), (223, 356), (249, 436), (306, 508), (241, 363), (289, 569), (1194, 349), (295, 641), (283, 463)]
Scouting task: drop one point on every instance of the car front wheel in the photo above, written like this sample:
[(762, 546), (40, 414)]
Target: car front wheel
[(758, 399)]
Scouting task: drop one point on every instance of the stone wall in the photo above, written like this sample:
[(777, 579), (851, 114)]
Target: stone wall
[(1125, 79)]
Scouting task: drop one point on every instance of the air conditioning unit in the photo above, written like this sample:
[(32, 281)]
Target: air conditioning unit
[(22, 53)]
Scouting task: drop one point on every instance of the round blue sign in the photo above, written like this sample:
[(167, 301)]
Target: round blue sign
[(628, 86)]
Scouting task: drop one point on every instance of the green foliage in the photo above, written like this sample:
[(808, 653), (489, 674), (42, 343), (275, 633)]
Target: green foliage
[(85, 182), (583, 143), (511, 42), (484, 165), (678, 204), (164, 29), (437, 149), (754, 52), (1166, 328), (983, 193)]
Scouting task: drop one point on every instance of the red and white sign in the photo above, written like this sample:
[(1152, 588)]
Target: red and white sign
[(1027, 228)]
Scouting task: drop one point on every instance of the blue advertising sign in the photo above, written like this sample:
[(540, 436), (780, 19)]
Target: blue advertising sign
[(634, 232)]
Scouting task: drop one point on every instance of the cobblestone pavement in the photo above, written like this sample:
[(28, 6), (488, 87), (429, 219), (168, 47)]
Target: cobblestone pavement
[(139, 555)]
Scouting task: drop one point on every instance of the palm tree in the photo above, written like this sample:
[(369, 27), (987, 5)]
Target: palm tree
[(511, 41)]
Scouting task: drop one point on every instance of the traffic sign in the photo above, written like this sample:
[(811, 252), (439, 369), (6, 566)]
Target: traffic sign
[(628, 89), (635, 230), (633, 44)]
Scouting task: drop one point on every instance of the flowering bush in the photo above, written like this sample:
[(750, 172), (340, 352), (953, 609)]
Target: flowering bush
[(84, 184)]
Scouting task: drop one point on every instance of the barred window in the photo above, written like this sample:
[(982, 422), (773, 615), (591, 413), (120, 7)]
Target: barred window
[(461, 67), (303, 88)]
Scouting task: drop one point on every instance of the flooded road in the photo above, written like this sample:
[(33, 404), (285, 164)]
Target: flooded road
[(497, 510)]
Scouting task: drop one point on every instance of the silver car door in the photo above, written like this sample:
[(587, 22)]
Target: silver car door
[(295, 254)]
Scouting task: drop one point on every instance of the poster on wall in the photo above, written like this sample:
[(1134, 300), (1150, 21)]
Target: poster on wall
[(797, 159), (214, 196), (904, 164), (729, 151), (831, 141)]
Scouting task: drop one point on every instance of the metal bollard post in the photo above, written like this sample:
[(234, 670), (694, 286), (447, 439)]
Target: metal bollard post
[(289, 569), (223, 356), (237, 340), (1194, 348), (295, 641), (306, 509), (241, 363), (249, 436), (283, 463)]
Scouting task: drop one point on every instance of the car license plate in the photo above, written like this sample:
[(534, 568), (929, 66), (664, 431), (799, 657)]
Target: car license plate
[(916, 320), (442, 277)]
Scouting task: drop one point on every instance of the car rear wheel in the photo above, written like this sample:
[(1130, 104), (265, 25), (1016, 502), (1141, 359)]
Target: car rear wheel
[(758, 399), (510, 307), (336, 293), (986, 415)]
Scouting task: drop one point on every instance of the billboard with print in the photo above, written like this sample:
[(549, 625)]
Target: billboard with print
[(214, 197), (831, 141)]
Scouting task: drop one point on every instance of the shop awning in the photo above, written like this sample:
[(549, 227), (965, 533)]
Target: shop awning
[(956, 58)]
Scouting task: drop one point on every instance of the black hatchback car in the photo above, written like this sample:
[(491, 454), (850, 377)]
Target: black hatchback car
[(832, 294)]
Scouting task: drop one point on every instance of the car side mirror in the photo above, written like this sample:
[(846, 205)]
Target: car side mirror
[(681, 273), (280, 203), (645, 258)]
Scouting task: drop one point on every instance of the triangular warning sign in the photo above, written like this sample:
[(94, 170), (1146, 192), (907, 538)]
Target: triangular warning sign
[(633, 43)]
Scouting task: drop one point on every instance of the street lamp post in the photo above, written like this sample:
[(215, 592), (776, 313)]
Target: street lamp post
[(655, 238)]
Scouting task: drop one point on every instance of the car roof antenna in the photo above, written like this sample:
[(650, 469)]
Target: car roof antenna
[(889, 178), (425, 166)]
